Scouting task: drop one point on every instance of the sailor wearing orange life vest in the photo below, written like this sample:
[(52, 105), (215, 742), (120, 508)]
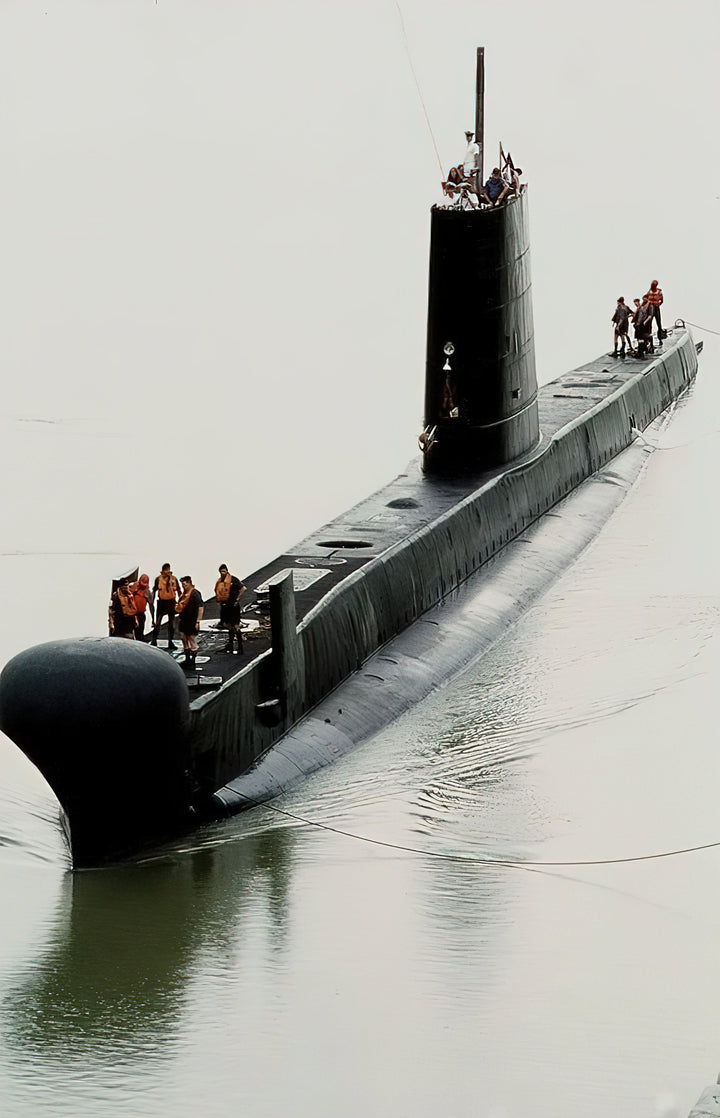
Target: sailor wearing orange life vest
[(168, 592), (655, 296), (122, 612), (140, 591), (228, 592), (190, 608)]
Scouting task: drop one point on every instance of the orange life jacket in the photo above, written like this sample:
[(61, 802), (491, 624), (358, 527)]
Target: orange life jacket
[(655, 297), (184, 599), (140, 597), (126, 601), (222, 588), (167, 587)]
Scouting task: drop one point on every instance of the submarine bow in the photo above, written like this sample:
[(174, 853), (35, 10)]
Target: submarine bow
[(105, 721)]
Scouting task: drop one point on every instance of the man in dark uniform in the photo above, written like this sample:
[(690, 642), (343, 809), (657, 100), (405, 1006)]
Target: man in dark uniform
[(190, 611), (620, 320), (643, 320)]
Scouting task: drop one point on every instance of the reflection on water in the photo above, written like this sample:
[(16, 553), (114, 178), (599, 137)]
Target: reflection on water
[(125, 943)]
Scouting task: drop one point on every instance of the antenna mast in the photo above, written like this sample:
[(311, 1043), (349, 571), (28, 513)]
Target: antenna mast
[(480, 110)]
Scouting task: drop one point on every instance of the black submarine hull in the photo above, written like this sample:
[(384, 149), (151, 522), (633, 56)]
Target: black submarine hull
[(136, 763), (413, 574), (447, 639)]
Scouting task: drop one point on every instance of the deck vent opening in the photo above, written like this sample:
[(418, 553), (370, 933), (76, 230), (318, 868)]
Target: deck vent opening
[(402, 503), (344, 543), (516, 393)]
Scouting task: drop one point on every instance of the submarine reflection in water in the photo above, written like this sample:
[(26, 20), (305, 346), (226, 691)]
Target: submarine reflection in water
[(115, 976)]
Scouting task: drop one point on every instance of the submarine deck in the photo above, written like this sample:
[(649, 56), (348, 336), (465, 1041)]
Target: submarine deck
[(406, 504)]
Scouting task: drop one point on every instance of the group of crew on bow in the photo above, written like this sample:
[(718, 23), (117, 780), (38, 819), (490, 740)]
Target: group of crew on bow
[(132, 601), (464, 188), (646, 312)]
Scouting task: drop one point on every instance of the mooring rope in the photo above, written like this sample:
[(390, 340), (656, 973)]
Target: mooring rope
[(705, 329), (470, 860)]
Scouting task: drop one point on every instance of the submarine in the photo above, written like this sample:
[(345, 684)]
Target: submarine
[(137, 751)]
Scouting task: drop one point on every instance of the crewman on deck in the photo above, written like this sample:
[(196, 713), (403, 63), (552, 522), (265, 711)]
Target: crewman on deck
[(167, 590), (122, 612), (655, 297), (620, 320), (643, 320), (190, 609), (228, 592), (140, 591)]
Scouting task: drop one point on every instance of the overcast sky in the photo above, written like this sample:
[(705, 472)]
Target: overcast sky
[(215, 239)]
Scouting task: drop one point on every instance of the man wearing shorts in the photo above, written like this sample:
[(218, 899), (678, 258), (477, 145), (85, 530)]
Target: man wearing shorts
[(620, 320), (228, 592), (190, 610), (166, 590)]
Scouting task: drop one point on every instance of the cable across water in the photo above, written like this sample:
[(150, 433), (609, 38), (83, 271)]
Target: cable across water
[(513, 862)]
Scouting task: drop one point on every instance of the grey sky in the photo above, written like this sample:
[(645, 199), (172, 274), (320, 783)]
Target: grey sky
[(215, 235)]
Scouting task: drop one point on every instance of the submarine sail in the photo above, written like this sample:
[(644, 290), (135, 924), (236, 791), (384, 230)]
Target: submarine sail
[(480, 380)]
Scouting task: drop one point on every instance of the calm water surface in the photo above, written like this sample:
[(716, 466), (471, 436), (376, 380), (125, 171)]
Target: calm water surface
[(269, 967)]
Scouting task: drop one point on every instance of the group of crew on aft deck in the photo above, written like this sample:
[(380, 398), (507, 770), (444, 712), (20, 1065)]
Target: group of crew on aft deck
[(131, 601), (647, 311), (464, 189)]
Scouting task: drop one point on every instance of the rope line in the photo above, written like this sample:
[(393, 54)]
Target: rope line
[(417, 84), (705, 329), (513, 862)]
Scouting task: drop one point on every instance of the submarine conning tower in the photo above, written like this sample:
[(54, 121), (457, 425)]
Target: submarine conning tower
[(480, 382)]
